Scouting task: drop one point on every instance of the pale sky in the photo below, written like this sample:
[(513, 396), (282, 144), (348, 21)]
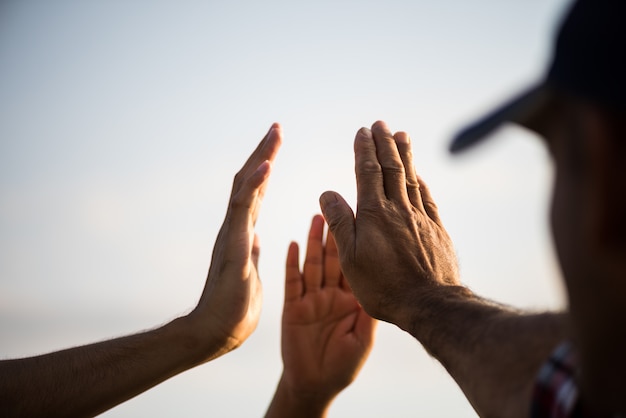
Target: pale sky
[(122, 124)]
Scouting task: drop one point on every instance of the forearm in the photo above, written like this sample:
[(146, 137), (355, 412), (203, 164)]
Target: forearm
[(88, 380), (493, 352), (290, 403)]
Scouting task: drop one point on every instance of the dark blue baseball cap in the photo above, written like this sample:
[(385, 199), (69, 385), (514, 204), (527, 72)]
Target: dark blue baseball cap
[(589, 61)]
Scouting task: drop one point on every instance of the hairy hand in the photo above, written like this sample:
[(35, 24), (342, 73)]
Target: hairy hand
[(395, 251)]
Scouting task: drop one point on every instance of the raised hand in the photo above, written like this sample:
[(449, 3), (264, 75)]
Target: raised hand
[(395, 252), (326, 335), (400, 263), (87, 380), (230, 305)]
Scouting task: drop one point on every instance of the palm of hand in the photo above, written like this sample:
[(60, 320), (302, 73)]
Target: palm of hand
[(320, 340), (233, 294), (326, 334)]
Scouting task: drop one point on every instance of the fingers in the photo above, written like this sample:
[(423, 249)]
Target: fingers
[(429, 204), (269, 152), (321, 264), (417, 190), (403, 142), (243, 202), (340, 219), (239, 242), (369, 175), (386, 171), (251, 181), (332, 268), (314, 260), (294, 287), (265, 152), (394, 177)]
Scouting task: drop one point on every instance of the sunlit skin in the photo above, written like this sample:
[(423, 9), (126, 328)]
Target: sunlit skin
[(401, 265), (395, 232), (232, 296), (88, 380), (326, 335)]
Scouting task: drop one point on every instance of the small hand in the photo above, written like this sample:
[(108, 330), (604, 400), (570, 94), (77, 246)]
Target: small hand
[(395, 252), (230, 305), (326, 335)]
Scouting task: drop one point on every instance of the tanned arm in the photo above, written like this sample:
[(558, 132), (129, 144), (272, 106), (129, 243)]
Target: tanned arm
[(88, 380), (401, 265)]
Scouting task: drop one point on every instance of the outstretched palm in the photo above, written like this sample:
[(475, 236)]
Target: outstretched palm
[(326, 335)]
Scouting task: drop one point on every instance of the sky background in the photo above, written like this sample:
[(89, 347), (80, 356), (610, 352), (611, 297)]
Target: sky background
[(122, 124)]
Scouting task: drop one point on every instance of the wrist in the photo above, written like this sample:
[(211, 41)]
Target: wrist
[(289, 401), (431, 310), (194, 337)]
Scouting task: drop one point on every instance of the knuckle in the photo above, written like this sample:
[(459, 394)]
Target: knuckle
[(392, 164), (430, 206), (369, 167), (376, 210), (314, 259), (394, 171), (336, 222), (239, 178), (239, 201), (412, 184)]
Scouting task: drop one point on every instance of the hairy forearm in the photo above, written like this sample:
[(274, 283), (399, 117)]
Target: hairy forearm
[(493, 352), (88, 380)]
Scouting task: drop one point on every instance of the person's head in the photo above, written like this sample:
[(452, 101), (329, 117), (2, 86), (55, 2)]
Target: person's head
[(587, 140), (580, 111)]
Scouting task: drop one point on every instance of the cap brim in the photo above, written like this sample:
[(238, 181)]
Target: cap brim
[(522, 110)]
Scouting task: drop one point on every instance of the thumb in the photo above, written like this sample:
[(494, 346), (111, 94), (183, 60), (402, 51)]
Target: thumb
[(340, 219)]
